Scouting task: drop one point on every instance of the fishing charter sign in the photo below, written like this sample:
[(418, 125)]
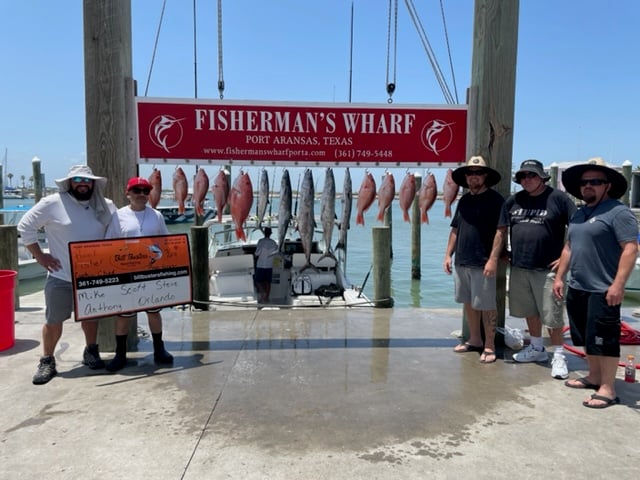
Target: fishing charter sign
[(175, 130), (127, 275)]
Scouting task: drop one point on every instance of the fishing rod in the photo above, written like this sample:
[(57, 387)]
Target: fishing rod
[(364, 282), (271, 193), (295, 209)]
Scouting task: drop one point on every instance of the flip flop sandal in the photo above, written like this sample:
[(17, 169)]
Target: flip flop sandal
[(607, 401), (486, 353), (468, 348), (583, 383)]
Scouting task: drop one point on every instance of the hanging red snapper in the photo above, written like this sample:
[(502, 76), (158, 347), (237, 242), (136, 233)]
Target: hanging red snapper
[(407, 194), (385, 194), (220, 192), (240, 201), (180, 188), (366, 196), (450, 192), (155, 179), (427, 196), (200, 190)]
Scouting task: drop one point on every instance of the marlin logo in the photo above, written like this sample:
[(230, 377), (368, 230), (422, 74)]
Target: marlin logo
[(156, 253), (166, 132), (437, 136)]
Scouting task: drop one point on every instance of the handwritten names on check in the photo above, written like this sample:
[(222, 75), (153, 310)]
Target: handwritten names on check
[(129, 275)]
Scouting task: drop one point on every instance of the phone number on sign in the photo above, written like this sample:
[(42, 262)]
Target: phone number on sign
[(97, 282), (355, 154)]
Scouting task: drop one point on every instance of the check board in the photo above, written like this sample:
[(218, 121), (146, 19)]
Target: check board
[(128, 275)]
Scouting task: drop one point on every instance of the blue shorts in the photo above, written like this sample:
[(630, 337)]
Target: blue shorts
[(594, 324)]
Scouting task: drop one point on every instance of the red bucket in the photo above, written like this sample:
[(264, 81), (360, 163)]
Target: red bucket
[(7, 304)]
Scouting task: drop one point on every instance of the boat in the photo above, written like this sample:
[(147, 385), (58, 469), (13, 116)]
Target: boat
[(232, 266), (28, 268), (12, 194), (172, 215)]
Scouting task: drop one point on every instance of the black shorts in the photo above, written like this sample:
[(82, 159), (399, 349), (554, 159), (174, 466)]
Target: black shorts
[(594, 324), (263, 275)]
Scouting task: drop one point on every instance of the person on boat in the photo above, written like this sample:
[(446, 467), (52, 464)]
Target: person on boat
[(600, 254), (266, 248), (477, 248), (537, 218), (138, 220), (78, 212)]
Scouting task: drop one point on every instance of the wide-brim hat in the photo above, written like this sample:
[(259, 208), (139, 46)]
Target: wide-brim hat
[(476, 162), (571, 178), (64, 184), (533, 166)]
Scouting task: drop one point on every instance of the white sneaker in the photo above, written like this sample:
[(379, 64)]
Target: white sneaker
[(530, 354), (559, 368)]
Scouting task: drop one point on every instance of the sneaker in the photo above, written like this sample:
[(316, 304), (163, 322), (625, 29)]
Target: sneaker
[(117, 363), (91, 357), (46, 370), (559, 368), (162, 357), (530, 354)]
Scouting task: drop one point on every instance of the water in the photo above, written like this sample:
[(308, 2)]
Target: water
[(433, 290)]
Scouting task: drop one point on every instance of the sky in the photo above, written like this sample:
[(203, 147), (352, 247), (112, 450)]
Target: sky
[(577, 75)]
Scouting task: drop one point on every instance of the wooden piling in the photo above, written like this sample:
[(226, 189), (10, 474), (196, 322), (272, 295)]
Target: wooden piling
[(415, 232), (381, 267), (37, 178), (200, 266)]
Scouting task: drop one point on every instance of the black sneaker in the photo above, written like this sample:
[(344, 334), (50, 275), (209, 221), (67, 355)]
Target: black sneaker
[(162, 357), (91, 357), (117, 363), (46, 370)]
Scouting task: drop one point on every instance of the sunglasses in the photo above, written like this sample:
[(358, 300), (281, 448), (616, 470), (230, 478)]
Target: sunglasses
[(594, 182), (528, 175), (138, 191), (81, 180), (471, 173)]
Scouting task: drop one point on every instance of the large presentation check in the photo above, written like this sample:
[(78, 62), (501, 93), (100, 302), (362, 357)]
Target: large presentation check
[(126, 275)]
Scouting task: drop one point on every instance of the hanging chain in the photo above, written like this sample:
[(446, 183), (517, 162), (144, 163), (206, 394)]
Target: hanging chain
[(220, 72), (391, 85)]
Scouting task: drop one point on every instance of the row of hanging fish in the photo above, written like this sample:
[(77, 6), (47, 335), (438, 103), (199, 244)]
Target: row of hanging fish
[(239, 196), (427, 195)]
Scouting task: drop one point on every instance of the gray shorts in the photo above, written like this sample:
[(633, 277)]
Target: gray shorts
[(472, 287), (531, 295), (58, 297)]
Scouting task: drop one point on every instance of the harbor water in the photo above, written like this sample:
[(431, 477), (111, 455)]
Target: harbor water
[(433, 290)]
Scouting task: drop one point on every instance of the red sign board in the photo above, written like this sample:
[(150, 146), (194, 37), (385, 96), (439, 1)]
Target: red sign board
[(175, 130)]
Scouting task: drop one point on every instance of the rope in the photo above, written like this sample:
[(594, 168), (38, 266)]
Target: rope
[(430, 54), (155, 47), (220, 72), (195, 54), (446, 37), (628, 336), (325, 306), (391, 86)]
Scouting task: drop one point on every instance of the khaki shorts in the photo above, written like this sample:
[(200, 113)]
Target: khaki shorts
[(531, 295)]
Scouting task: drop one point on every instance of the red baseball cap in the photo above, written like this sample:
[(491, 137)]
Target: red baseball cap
[(138, 182)]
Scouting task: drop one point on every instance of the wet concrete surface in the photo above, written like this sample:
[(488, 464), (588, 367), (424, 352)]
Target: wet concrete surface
[(304, 394)]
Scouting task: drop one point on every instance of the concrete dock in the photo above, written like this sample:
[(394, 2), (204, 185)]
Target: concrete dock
[(304, 394)]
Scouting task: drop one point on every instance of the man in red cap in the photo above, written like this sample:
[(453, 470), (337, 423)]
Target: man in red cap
[(138, 220)]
